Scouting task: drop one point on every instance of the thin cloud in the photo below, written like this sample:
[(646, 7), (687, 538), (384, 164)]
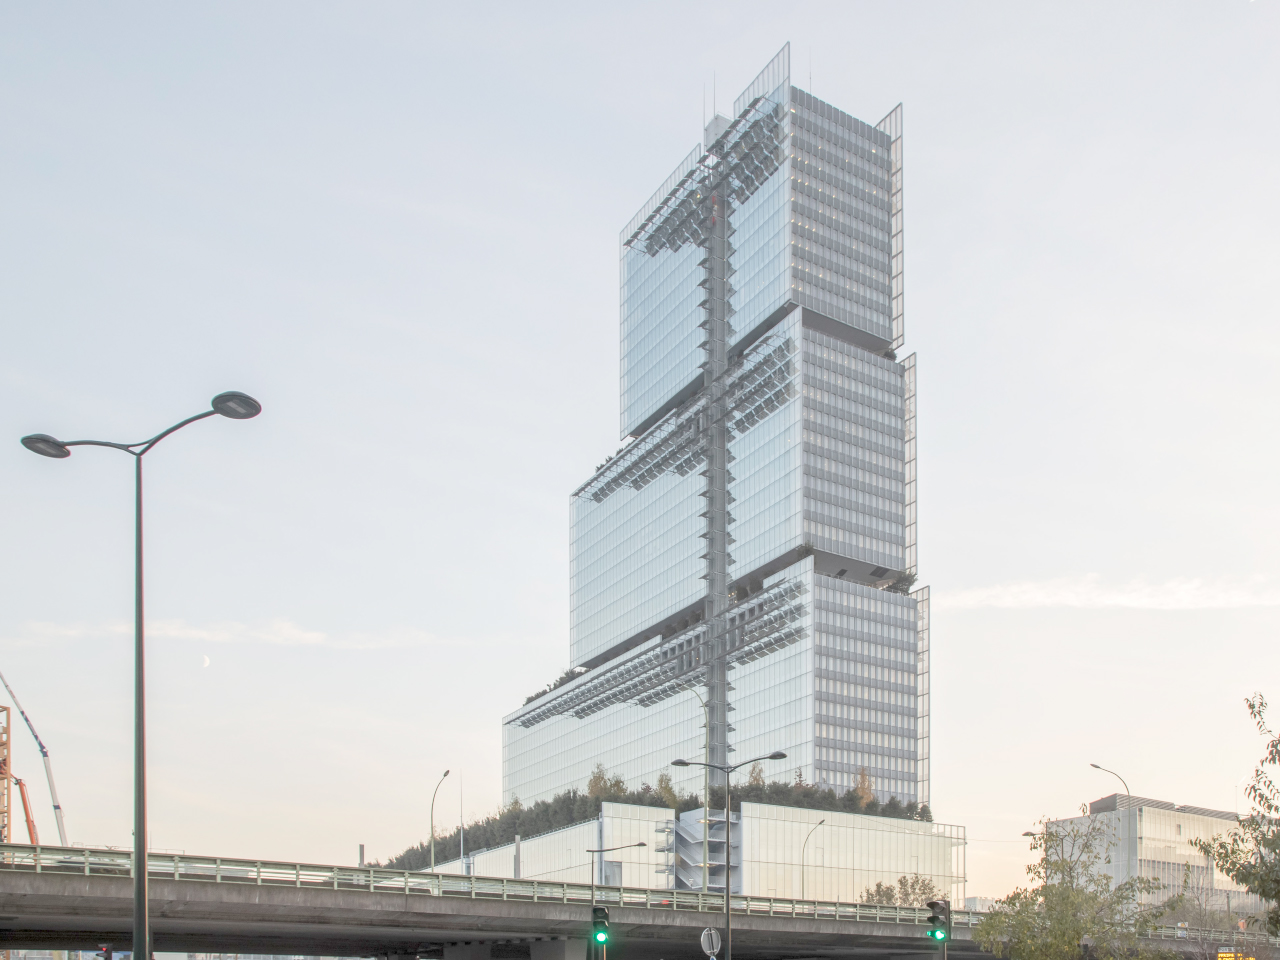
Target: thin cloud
[(1091, 591)]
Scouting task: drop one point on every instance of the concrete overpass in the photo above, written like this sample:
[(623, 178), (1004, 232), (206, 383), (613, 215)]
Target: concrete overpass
[(71, 898), (78, 899)]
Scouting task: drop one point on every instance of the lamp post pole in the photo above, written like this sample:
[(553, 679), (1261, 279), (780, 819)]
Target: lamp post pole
[(626, 846), (235, 406), (1128, 807), (727, 769), (433, 820), (802, 846)]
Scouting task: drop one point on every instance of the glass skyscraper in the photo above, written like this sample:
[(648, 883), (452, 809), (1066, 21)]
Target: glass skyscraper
[(747, 560)]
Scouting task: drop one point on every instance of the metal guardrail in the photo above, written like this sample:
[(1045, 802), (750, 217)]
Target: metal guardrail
[(1225, 938), (23, 858), (119, 863)]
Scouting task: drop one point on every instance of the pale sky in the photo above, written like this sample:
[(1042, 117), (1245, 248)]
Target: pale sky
[(396, 225)]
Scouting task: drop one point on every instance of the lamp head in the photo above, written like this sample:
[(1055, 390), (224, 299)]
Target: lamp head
[(236, 405), (679, 763), (46, 446), (446, 773), (641, 844), (1095, 766), (1028, 833), (776, 755)]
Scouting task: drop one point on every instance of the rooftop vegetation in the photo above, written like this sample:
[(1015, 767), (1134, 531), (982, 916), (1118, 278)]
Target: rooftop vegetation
[(574, 806)]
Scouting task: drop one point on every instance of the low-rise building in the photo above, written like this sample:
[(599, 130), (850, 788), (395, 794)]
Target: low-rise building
[(776, 851), (1156, 838)]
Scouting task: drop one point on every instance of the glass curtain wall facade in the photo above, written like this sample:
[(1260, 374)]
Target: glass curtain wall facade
[(1157, 839), (746, 562)]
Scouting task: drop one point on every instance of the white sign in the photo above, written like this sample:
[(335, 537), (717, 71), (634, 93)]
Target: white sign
[(710, 941)]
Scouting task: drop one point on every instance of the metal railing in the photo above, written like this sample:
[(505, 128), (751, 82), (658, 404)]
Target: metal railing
[(24, 858), (1204, 935), (119, 863)]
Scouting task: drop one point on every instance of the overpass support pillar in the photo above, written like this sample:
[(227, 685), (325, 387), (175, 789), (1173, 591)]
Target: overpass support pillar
[(558, 950), (467, 951)]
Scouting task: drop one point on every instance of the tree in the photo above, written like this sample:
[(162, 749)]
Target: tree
[(1250, 854), (755, 776), (902, 583), (916, 891), (1199, 904), (864, 790), (883, 893), (603, 787), (666, 791), (820, 796), (1073, 904), (912, 891)]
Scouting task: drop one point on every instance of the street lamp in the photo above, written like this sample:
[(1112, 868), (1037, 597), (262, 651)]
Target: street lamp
[(625, 846), (1117, 776), (235, 406), (1128, 808), (433, 821), (727, 769), (802, 846)]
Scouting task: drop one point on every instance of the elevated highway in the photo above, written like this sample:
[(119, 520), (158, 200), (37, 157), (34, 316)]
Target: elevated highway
[(71, 898), (78, 899)]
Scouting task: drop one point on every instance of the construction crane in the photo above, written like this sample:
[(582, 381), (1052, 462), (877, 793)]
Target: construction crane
[(48, 767), (32, 833)]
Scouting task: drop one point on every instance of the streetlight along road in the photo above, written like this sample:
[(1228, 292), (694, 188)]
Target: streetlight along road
[(625, 846), (433, 820), (727, 769), (802, 846), (235, 406)]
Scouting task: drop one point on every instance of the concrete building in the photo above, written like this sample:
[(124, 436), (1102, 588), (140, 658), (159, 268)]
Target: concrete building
[(1154, 838), (746, 561), (777, 852)]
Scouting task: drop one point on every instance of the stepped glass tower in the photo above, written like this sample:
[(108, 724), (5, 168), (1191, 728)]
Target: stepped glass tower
[(752, 547)]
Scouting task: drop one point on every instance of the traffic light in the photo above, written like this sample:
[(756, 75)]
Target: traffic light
[(600, 925), (939, 920)]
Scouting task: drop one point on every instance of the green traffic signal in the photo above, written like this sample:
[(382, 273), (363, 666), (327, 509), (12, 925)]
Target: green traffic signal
[(600, 925), (939, 919)]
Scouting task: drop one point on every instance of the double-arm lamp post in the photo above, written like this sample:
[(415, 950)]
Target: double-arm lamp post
[(727, 769), (236, 406)]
